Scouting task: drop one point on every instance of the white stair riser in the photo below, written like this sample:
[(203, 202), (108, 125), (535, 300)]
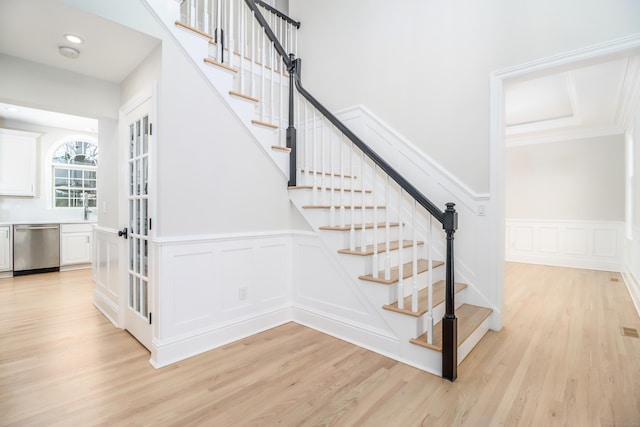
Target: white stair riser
[(410, 327), (321, 180), (325, 195), (322, 217)]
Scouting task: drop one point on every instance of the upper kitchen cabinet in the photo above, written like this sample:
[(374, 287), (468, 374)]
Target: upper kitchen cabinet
[(17, 163)]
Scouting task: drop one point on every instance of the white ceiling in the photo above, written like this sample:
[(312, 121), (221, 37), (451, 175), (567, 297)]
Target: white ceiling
[(33, 30), (578, 101)]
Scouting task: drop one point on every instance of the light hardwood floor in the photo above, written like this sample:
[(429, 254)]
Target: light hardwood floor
[(561, 359)]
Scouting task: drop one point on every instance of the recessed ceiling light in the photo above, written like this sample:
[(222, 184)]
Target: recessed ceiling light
[(73, 38), (69, 52)]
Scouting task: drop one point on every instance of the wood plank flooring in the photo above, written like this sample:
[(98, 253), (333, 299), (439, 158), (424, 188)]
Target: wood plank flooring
[(561, 359)]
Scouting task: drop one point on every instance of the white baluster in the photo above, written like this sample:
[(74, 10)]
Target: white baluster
[(307, 165), (363, 233), (341, 147), (400, 253), (430, 284), (387, 226), (352, 232), (219, 47), (323, 164), (193, 21), (263, 71), (414, 293), (230, 34), (281, 77), (205, 17), (272, 97), (243, 45), (314, 161), (332, 209), (253, 53), (375, 223)]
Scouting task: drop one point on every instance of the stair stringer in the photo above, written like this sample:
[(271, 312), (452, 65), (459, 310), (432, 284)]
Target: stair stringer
[(196, 47), (384, 332)]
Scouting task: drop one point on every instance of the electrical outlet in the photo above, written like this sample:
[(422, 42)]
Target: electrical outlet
[(242, 293)]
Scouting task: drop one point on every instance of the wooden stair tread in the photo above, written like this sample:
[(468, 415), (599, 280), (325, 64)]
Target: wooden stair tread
[(327, 173), (382, 247), (219, 64), (407, 271), (194, 29), (265, 124), (469, 318), (347, 227), (310, 187), (346, 207), (243, 96), (277, 147), (423, 306)]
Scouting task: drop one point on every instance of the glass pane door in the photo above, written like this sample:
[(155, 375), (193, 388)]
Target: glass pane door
[(138, 174)]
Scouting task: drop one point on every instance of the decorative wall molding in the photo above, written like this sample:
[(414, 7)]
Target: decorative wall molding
[(211, 290), (106, 273), (595, 245)]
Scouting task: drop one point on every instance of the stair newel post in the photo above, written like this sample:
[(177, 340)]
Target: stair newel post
[(450, 322), (291, 130)]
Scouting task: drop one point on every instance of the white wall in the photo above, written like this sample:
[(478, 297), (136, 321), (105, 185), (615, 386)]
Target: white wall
[(423, 67), (40, 207), (566, 180)]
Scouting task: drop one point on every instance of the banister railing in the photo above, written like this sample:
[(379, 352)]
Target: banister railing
[(448, 217), (345, 174)]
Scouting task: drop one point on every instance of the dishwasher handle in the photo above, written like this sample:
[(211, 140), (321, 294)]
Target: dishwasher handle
[(35, 227)]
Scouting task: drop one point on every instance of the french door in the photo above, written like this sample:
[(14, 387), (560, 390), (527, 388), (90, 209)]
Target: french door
[(138, 314)]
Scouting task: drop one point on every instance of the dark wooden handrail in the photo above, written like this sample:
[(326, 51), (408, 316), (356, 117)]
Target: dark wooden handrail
[(278, 13), (448, 218)]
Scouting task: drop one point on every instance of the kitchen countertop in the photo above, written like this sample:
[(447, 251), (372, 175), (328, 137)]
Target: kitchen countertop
[(37, 222)]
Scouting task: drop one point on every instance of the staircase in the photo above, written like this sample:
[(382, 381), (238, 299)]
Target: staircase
[(379, 232)]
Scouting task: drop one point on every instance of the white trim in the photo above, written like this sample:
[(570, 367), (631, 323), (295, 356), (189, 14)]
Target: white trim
[(203, 238), (633, 286), (400, 142), (166, 352), (567, 135), (106, 307)]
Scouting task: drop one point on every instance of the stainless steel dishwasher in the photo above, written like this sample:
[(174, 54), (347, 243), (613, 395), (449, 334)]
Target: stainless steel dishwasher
[(36, 248)]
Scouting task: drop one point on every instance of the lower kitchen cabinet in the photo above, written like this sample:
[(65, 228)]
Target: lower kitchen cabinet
[(75, 244), (5, 248)]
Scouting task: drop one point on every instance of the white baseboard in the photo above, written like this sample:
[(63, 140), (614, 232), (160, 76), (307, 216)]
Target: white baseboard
[(106, 306), (633, 286), (168, 352)]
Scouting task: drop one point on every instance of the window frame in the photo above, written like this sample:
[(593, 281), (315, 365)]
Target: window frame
[(74, 192)]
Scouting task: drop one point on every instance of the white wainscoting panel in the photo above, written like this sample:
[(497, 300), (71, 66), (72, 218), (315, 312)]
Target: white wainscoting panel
[(213, 290), (632, 271), (596, 245), (106, 270)]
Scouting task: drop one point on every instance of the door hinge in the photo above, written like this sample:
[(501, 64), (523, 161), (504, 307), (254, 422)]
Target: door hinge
[(149, 223), (150, 315), (150, 128)]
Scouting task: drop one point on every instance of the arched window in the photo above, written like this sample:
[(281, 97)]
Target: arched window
[(75, 167)]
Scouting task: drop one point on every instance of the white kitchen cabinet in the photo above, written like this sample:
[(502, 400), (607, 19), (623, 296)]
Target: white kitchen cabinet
[(18, 163), (75, 244), (5, 248)]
